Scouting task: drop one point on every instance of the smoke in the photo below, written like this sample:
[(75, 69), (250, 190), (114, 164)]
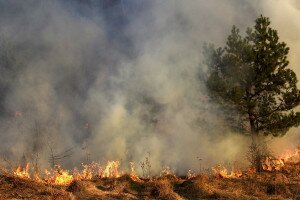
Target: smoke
[(121, 79)]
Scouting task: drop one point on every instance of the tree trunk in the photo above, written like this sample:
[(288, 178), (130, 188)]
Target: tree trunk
[(253, 129), (255, 149), (257, 154)]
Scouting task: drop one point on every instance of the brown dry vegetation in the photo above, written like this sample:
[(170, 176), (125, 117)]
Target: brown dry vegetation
[(266, 185)]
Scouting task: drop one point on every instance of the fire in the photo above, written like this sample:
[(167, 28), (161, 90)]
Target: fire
[(272, 164), (63, 178), (132, 170), (22, 172), (58, 176), (133, 174), (222, 172), (37, 178), (111, 170), (87, 172), (291, 156), (275, 164)]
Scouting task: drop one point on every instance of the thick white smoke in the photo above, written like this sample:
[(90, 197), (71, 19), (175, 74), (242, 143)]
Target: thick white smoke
[(123, 80)]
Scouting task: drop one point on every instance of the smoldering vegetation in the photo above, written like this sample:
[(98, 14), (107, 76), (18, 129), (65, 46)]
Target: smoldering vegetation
[(120, 80)]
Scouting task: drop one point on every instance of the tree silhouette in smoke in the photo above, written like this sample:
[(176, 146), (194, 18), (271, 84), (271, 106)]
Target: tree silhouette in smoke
[(250, 77)]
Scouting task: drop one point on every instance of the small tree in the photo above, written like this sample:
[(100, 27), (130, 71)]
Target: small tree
[(250, 79)]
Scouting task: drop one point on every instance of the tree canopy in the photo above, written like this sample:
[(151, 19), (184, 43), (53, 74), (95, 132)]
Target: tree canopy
[(249, 77)]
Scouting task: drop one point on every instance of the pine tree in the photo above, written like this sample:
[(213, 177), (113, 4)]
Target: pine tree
[(249, 78)]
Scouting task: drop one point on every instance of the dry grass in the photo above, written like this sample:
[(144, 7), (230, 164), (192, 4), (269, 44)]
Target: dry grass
[(265, 185), (163, 189), (13, 187)]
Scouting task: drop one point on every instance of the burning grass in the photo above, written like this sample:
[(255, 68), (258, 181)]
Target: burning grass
[(107, 182)]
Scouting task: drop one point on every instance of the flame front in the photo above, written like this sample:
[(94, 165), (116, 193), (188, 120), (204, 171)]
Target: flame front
[(275, 164), (111, 170), (291, 156), (63, 178), (222, 172), (22, 172), (272, 164), (58, 176), (87, 172)]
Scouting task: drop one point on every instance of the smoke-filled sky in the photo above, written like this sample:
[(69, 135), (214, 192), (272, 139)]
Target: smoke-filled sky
[(116, 79)]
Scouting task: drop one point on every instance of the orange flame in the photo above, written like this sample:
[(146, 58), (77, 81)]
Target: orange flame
[(63, 178), (58, 176), (222, 172), (87, 172), (290, 156), (111, 170), (275, 164), (133, 174), (22, 172), (272, 164)]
